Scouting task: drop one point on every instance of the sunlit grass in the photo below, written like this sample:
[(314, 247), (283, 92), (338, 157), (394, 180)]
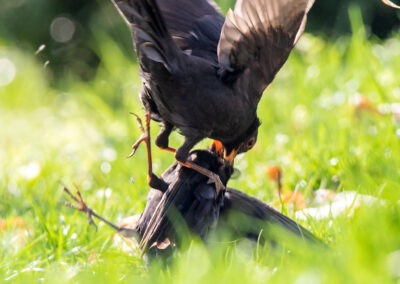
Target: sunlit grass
[(80, 133)]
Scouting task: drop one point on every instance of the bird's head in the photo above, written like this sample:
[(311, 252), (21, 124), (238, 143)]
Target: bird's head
[(244, 143)]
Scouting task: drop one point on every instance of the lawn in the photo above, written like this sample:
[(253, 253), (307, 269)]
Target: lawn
[(329, 121)]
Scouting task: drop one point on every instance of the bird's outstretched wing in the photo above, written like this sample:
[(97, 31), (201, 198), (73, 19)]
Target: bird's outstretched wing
[(195, 25), (251, 216), (256, 40), (151, 39)]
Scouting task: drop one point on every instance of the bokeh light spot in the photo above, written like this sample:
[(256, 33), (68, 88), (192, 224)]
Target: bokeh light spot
[(7, 71), (62, 29), (105, 167)]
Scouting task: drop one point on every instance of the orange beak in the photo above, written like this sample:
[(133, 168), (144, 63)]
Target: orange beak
[(218, 147), (231, 157)]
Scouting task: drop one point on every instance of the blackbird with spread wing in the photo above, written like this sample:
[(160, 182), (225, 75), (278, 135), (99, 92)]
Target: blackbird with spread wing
[(205, 74), (185, 196)]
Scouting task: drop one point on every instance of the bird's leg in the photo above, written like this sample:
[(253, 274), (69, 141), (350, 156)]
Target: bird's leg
[(162, 137), (182, 153), (145, 137), (213, 177), (152, 179), (81, 206)]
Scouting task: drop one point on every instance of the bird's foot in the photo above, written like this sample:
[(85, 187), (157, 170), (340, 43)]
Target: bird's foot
[(145, 137), (213, 177), (80, 205), (219, 186)]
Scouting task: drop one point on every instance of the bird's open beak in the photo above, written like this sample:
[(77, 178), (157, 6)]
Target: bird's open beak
[(231, 157), (218, 148)]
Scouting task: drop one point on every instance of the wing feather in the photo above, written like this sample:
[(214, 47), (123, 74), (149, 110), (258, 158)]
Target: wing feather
[(257, 37), (195, 25)]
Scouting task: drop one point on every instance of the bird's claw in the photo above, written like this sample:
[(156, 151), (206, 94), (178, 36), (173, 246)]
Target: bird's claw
[(219, 186), (135, 146), (142, 138), (81, 205)]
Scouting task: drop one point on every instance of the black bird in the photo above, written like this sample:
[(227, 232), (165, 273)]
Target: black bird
[(197, 203), (204, 74), (203, 208), (188, 197)]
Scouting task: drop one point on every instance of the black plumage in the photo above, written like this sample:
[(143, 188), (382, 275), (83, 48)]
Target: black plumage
[(188, 197), (246, 216), (186, 200), (204, 74)]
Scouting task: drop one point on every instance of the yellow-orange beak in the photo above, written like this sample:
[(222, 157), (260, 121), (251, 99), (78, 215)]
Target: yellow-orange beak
[(231, 157), (218, 148)]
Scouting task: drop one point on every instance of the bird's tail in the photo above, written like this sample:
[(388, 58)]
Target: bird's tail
[(149, 31)]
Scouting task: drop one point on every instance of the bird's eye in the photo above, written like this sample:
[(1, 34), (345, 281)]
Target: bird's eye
[(251, 143)]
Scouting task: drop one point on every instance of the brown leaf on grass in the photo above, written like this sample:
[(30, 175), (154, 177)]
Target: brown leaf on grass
[(391, 4)]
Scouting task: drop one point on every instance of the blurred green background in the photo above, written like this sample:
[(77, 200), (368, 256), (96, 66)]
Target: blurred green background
[(330, 120), (69, 28)]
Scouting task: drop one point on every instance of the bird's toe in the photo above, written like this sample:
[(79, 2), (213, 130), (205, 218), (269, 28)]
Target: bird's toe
[(218, 183)]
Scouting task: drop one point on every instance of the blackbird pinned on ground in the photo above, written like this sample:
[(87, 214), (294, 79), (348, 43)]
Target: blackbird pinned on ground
[(204, 74), (186, 196), (189, 198)]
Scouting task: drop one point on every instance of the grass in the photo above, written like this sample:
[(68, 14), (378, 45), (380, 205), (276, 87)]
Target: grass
[(80, 132)]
